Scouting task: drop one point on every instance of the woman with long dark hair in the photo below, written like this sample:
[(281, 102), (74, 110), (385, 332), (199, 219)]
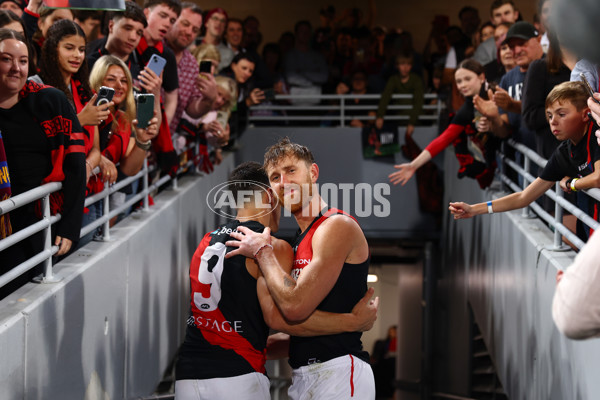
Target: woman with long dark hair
[(474, 150)]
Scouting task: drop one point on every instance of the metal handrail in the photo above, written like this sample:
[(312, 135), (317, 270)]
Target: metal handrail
[(342, 107), (43, 193), (555, 194)]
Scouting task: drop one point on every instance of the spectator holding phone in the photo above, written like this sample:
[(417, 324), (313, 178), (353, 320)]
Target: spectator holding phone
[(121, 140), (125, 30), (64, 66), (215, 21), (241, 70), (38, 151), (215, 124), (208, 52), (196, 91), (161, 15)]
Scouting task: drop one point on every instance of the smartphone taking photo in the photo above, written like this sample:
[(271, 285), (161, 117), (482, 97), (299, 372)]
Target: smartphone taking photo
[(105, 95), (206, 66), (156, 64), (589, 87), (269, 94), (144, 109)]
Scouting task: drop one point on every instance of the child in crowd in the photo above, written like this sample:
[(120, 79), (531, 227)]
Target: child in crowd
[(47, 18), (64, 66), (575, 163), (405, 82)]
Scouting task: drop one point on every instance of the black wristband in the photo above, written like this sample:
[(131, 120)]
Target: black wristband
[(568, 185)]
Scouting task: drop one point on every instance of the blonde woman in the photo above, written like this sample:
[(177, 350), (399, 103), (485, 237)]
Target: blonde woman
[(117, 144)]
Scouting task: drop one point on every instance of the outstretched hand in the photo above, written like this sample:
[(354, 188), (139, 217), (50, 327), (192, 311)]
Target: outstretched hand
[(403, 175), (247, 241), (365, 311), (461, 210)]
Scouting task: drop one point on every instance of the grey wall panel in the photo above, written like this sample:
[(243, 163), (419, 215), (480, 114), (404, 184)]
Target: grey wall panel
[(12, 354), (80, 329), (499, 263), (113, 323)]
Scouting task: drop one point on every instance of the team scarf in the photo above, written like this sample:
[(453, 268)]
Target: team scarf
[(5, 227)]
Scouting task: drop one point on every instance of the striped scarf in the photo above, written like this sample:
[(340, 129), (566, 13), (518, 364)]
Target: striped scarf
[(5, 228)]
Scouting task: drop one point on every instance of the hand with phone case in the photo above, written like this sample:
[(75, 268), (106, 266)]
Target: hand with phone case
[(145, 109), (217, 134), (150, 82), (149, 132), (95, 111)]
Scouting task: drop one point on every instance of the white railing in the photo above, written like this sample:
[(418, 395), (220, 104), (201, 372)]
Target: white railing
[(325, 112), (556, 195), (43, 193)]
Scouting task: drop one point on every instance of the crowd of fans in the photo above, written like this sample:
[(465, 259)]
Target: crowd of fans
[(494, 75)]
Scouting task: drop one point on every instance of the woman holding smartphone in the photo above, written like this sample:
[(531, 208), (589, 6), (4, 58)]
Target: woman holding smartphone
[(63, 65), (121, 140)]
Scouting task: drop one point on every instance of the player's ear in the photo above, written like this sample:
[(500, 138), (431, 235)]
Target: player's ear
[(314, 172), (271, 197)]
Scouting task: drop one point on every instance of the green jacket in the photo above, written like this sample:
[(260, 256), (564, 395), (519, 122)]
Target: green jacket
[(394, 85)]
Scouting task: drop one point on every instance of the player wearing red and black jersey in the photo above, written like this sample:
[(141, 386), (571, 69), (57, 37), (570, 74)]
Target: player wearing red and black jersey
[(225, 336), (331, 264), (224, 352), (349, 288)]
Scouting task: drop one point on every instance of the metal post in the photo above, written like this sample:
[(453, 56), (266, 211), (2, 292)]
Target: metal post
[(145, 180), (558, 217), (501, 166), (342, 112), (439, 110), (105, 211), (174, 181), (47, 239), (525, 213)]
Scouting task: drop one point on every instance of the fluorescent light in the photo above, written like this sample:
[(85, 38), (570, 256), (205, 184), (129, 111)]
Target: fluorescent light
[(372, 278)]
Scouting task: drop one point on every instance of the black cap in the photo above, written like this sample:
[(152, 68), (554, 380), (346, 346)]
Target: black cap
[(521, 30)]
